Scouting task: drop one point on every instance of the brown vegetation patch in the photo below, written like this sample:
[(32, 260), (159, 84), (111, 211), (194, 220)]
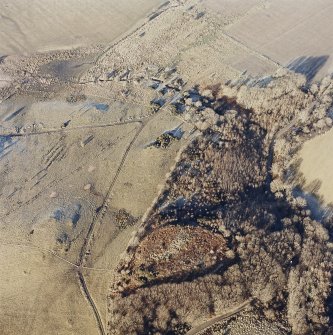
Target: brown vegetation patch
[(175, 251)]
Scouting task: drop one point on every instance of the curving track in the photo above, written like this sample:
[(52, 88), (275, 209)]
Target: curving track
[(219, 318)]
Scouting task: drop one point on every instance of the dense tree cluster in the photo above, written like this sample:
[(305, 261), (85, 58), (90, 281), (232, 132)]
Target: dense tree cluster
[(233, 181)]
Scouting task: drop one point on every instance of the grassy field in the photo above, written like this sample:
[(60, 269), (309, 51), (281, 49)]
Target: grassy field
[(293, 34), (317, 164), (41, 25)]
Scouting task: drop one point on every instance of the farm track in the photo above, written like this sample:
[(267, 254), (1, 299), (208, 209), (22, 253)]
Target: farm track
[(90, 233), (85, 290), (220, 318), (107, 197), (80, 127)]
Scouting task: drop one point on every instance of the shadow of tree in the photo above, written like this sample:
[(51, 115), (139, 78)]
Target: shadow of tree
[(309, 66), (172, 324)]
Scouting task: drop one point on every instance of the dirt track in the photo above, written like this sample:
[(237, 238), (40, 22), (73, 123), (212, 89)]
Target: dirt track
[(219, 318)]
